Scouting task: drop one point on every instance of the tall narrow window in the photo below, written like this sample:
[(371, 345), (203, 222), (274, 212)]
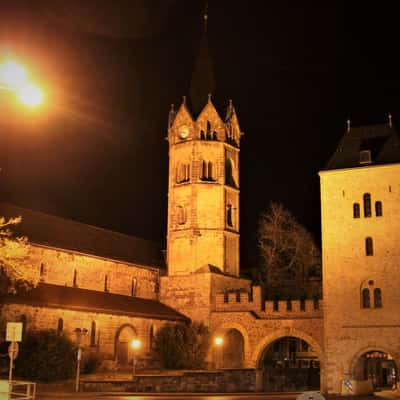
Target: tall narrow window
[(356, 210), (210, 171), (202, 135), (75, 280), (378, 208), (302, 304), (203, 175), (229, 219), (106, 283), (377, 298), (180, 215), (133, 286), (214, 136), (366, 301), (151, 337), (208, 130), (229, 168), (367, 204), (276, 305), (93, 334), (42, 271), (289, 305), (369, 249), (60, 326)]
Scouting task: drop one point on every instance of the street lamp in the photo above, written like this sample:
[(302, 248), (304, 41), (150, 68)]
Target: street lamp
[(218, 341), (14, 78), (135, 344), (79, 334)]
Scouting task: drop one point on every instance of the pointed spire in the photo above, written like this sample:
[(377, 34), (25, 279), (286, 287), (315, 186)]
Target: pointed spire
[(205, 17), (184, 100), (202, 81), (209, 98), (390, 120), (229, 110), (348, 124)]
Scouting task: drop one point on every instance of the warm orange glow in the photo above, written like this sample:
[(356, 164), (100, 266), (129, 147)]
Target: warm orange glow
[(136, 344), (13, 75), (218, 341), (30, 95)]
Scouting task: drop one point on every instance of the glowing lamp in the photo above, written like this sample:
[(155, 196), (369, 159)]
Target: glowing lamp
[(136, 344), (13, 75), (30, 95), (218, 341)]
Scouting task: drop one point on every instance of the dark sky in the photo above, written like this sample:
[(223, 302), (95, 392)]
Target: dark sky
[(97, 151)]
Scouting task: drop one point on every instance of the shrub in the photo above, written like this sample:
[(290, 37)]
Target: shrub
[(182, 346), (90, 362), (46, 356)]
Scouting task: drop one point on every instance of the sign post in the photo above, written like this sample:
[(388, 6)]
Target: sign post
[(13, 335)]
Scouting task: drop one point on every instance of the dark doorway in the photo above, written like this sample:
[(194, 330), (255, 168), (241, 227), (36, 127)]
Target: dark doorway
[(290, 364), (122, 353), (378, 367)]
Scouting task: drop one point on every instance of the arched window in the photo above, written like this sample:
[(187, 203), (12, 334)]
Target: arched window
[(356, 210), (365, 301), (203, 174), (229, 179), (208, 135), (106, 283), (75, 280), (133, 286), (378, 208), (180, 215), (369, 249), (377, 298), (93, 334), (187, 172), (202, 135), (367, 204), (229, 219), (210, 171), (214, 136), (60, 326), (42, 271), (151, 337)]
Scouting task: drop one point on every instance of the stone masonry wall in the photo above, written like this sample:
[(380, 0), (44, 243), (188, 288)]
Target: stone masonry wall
[(58, 267)]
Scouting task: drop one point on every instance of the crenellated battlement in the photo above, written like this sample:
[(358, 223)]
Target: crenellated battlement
[(240, 300)]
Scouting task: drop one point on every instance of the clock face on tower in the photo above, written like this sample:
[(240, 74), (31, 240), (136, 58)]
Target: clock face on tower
[(183, 132)]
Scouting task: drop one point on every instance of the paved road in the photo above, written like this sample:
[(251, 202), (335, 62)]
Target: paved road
[(87, 396)]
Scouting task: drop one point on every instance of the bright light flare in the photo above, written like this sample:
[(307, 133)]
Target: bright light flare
[(136, 344), (218, 341), (30, 95), (13, 75)]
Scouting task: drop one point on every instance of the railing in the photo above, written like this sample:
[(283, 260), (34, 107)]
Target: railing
[(21, 390)]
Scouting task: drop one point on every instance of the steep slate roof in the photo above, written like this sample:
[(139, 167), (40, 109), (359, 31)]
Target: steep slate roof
[(49, 230), (54, 296), (382, 140)]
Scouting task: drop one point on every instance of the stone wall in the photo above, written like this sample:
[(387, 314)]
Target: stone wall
[(225, 381), (108, 326), (57, 266)]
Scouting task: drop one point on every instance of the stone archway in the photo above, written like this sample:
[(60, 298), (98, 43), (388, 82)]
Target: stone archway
[(122, 349), (376, 366), (232, 353), (290, 360)]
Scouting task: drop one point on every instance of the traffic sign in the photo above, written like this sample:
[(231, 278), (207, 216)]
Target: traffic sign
[(14, 332)]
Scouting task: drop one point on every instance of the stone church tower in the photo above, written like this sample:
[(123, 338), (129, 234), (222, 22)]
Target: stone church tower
[(360, 197), (203, 191)]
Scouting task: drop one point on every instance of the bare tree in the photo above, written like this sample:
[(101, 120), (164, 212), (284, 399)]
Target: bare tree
[(288, 251)]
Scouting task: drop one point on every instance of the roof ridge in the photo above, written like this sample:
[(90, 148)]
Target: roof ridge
[(73, 221)]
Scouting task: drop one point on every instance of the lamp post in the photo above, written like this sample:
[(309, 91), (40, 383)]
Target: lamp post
[(218, 341), (135, 344), (79, 334), (14, 79)]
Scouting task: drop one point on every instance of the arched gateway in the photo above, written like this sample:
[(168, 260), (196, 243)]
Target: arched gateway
[(289, 362)]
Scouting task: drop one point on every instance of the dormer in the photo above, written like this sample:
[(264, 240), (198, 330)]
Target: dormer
[(182, 127), (209, 124)]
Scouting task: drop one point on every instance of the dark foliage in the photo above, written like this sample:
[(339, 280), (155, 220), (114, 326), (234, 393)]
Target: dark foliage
[(46, 356), (90, 362), (182, 346)]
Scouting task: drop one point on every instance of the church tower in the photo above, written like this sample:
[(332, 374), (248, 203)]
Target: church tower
[(203, 191), (203, 198), (360, 216)]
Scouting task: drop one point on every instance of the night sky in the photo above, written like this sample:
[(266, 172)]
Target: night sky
[(97, 152)]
